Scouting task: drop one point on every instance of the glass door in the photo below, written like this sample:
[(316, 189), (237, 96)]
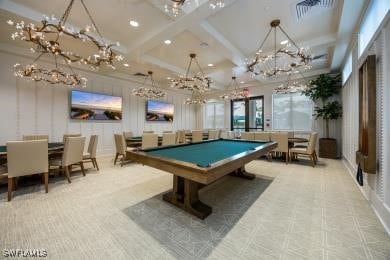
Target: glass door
[(247, 114)]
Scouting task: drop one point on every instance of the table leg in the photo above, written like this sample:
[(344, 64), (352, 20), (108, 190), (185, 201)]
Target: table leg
[(240, 172), (185, 195)]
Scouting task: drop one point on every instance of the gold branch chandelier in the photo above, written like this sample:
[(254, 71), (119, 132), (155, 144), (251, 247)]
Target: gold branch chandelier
[(288, 57), (236, 93), (176, 6), (293, 84), (198, 82), (197, 98), (48, 38), (149, 93)]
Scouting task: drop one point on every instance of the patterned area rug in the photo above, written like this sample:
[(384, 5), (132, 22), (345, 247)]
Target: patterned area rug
[(184, 235)]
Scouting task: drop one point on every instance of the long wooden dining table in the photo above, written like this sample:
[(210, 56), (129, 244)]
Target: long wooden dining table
[(52, 147)]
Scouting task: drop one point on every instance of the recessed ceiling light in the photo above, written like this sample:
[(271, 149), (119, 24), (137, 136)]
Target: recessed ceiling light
[(210, 65), (204, 45), (126, 65), (242, 82), (168, 78), (167, 42), (284, 42), (134, 23)]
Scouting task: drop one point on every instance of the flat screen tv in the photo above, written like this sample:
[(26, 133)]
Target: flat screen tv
[(94, 106), (159, 111)]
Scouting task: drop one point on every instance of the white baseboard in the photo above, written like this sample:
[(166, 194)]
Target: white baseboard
[(380, 209)]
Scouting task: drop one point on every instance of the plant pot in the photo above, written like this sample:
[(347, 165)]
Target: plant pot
[(328, 148)]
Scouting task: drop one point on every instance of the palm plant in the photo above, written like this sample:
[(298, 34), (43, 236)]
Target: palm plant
[(322, 88)]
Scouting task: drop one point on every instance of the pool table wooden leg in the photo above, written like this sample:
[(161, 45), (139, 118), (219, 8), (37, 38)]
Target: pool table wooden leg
[(185, 195), (243, 174)]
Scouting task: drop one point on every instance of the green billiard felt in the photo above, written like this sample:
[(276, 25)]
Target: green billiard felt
[(205, 153)]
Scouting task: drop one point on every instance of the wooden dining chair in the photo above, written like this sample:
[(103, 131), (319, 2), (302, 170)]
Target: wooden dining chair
[(197, 136), (72, 156), (248, 135), (213, 134), (69, 135), (169, 139), (90, 156), (181, 137), (262, 136), (282, 139), (309, 151), (27, 158), (35, 137), (149, 141)]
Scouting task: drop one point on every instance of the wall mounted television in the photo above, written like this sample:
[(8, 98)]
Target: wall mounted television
[(95, 106), (159, 111)]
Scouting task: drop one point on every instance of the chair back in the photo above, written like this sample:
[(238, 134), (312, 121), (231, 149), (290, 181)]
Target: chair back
[(197, 136), (290, 134), (312, 143), (73, 150), (35, 137), (262, 136), (127, 135), (169, 139), (120, 144), (213, 134), (149, 141), (69, 135), (27, 157), (181, 137), (230, 135), (248, 135), (148, 132), (282, 140), (92, 146)]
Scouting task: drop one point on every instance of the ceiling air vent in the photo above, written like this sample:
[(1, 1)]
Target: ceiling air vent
[(305, 7)]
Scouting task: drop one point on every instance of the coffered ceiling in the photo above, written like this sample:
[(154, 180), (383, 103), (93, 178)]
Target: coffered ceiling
[(222, 37)]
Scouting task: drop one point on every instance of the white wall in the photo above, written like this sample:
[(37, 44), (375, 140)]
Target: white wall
[(29, 108), (377, 186)]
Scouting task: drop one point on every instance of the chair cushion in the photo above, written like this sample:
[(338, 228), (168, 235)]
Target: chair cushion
[(86, 156), (298, 150)]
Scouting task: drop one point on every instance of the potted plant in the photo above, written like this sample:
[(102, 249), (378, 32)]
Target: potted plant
[(321, 89)]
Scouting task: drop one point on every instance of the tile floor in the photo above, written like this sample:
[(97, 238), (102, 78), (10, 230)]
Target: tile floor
[(290, 211)]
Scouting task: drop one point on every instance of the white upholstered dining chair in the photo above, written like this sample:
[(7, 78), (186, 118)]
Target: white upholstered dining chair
[(35, 137), (27, 158), (309, 151), (69, 135), (214, 134), (72, 155), (149, 141), (90, 156), (169, 139), (282, 139)]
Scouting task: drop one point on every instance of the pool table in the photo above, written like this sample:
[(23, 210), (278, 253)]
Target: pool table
[(196, 165)]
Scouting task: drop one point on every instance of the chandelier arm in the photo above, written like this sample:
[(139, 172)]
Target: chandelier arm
[(188, 68), (37, 58), (288, 37), (200, 69), (262, 44), (66, 13), (93, 22)]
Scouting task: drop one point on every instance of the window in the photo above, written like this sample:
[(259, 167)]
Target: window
[(372, 19), (247, 114), (292, 111), (214, 115)]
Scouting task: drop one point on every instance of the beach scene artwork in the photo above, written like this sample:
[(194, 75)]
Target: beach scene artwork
[(159, 111), (94, 106)]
